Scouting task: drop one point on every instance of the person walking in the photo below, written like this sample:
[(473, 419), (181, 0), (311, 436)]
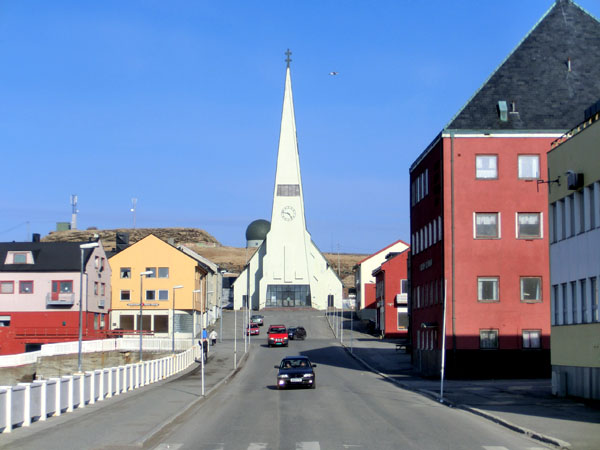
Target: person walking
[(213, 337)]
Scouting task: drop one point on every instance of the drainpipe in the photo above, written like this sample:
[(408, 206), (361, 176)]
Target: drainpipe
[(453, 246)]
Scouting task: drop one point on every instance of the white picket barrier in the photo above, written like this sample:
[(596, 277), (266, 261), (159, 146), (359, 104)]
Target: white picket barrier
[(27, 403)]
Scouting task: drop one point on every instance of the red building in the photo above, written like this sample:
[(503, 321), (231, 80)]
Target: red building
[(479, 218), (40, 294), (391, 295)]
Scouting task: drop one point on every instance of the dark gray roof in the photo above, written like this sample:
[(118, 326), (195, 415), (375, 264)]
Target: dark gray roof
[(536, 77), (48, 256)]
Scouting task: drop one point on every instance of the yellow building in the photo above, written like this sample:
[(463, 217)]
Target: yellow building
[(170, 284)]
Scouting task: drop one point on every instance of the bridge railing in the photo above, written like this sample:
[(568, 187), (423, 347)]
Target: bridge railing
[(22, 404)]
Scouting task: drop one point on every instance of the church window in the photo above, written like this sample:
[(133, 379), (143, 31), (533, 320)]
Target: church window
[(288, 190), (291, 295)]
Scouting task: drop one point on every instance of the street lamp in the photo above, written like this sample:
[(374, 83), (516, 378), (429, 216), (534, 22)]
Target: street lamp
[(223, 272), (179, 286), (82, 247), (147, 272)]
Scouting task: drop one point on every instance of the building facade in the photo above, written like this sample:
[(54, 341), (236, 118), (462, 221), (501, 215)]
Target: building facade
[(170, 285), (479, 217), (287, 269), (574, 198), (391, 295), (41, 289)]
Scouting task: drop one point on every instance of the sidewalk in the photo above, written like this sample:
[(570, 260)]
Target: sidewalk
[(175, 395), (527, 406)]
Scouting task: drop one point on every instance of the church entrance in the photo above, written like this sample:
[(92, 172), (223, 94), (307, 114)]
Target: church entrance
[(288, 295)]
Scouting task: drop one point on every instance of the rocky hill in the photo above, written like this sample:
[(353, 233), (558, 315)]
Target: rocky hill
[(232, 259)]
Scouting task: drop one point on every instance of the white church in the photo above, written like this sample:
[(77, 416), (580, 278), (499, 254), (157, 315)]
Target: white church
[(287, 269)]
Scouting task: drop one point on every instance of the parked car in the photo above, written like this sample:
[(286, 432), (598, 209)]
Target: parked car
[(296, 371), (277, 335), (296, 333), (257, 318), (253, 329)]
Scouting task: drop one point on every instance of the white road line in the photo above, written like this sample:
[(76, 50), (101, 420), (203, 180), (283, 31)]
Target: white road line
[(308, 446), (493, 447), (257, 446), (168, 447)]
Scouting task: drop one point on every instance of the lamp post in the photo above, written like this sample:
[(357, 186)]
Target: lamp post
[(179, 286), (195, 291), (82, 247), (148, 272), (223, 272)]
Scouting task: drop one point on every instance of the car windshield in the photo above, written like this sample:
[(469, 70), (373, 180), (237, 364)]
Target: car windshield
[(294, 363), (277, 330)]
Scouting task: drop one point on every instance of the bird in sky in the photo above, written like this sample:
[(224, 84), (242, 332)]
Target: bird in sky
[(333, 73)]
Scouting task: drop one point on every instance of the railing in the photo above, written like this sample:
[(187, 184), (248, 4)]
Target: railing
[(25, 403), (60, 299)]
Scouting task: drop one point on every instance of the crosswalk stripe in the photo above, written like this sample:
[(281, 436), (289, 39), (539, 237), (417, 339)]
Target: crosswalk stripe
[(257, 446), (169, 447), (308, 446), (493, 447)]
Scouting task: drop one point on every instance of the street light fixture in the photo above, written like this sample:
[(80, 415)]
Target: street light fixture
[(179, 286), (82, 247), (146, 273)]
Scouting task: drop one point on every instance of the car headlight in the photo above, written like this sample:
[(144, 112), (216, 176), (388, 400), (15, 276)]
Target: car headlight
[(284, 375), (308, 375)]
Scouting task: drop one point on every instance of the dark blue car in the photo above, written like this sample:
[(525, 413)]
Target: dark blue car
[(296, 371)]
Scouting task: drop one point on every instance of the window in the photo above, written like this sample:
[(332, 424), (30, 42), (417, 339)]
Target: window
[(126, 295), (96, 284), (150, 295), (163, 294), (288, 190), (573, 316), (163, 272), (487, 289), (4, 321), (532, 339), (486, 167), (25, 287), (152, 271), (529, 166), (592, 206), (103, 289), (488, 339), (126, 322), (161, 324), (487, 225), (96, 262), (125, 272), (20, 258), (554, 305), (564, 308), (582, 290), (7, 287), (594, 290), (529, 225), (404, 287), (531, 289)]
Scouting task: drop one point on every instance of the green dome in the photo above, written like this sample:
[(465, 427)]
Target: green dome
[(257, 230)]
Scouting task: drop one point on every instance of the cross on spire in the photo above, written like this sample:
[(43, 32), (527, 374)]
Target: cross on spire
[(288, 60)]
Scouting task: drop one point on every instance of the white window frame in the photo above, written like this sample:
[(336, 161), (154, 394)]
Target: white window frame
[(498, 225), (121, 295), (161, 292), (529, 341), (484, 170), (540, 217), (522, 291), (521, 167), (496, 281), (489, 331)]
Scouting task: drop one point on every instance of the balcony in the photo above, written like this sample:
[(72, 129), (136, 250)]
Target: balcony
[(60, 299), (101, 303)]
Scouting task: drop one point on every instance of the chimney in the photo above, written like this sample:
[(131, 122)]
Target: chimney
[(35, 237)]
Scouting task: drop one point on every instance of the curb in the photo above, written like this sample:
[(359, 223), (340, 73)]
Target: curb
[(140, 443), (434, 396)]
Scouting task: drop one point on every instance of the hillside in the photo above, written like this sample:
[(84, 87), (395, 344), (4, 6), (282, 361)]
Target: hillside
[(232, 259)]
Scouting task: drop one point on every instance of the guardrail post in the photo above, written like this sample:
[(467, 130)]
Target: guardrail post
[(101, 386), (131, 373), (57, 408), (8, 410), (26, 404), (118, 380), (43, 400), (92, 386), (81, 390), (109, 391), (69, 393)]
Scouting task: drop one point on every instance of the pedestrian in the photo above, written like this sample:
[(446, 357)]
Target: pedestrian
[(205, 349), (204, 334), (213, 337)]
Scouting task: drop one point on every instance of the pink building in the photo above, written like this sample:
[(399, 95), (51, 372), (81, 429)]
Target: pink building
[(40, 294)]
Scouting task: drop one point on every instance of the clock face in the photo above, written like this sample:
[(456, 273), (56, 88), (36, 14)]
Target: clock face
[(288, 213)]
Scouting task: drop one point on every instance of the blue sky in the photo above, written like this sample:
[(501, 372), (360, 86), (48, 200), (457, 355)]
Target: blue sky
[(178, 104)]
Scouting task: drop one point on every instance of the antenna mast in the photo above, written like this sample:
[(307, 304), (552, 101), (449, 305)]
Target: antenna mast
[(133, 205), (74, 212)]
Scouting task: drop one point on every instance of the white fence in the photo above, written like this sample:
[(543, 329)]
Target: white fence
[(25, 403)]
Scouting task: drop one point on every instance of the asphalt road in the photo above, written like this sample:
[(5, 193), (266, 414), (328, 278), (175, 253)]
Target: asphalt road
[(351, 408)]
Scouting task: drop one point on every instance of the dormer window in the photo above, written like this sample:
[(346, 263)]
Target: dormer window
[(19, 258)]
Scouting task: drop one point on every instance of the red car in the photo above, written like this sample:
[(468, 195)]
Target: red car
[(253, 329), (278, 335)]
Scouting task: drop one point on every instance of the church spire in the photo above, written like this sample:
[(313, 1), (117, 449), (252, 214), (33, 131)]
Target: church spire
[(288, 60)]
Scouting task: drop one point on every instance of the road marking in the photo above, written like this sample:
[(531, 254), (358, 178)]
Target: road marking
[(493, 447), (257, 446), (308, 446), (169, 446)]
